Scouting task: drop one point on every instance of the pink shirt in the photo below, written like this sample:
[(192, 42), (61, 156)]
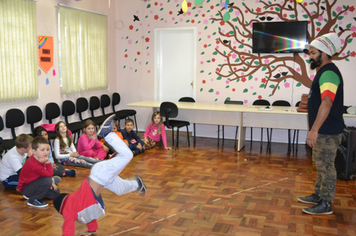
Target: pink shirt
[(85, 143), (152, 133)]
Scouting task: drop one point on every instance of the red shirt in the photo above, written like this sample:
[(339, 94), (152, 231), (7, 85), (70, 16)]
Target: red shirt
[(81, 206), (32, 170)]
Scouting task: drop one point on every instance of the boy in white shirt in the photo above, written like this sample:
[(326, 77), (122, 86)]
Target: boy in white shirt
[(12, 162)]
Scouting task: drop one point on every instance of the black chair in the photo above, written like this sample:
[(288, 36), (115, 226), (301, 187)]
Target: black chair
[(82, 105), (122, 114), (170, 110), (52, 111), (223, 128), (68, 109), (94, 104), (282, 103), (14, 118), (33, 115), (261, 102), (6, 144), (189, 99), (104, 103)]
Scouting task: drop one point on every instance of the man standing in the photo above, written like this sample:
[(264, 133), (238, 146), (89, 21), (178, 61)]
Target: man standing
[(325, 109)]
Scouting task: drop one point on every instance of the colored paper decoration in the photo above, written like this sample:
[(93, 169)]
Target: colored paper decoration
[(299, 1), (198, 2), (45, 52), (47, 81), (54, 72)]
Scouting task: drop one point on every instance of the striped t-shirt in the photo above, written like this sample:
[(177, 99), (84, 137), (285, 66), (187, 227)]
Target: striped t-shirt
[(329, 82)]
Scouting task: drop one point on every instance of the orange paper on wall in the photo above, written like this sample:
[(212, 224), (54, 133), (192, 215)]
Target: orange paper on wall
[(45, 52)]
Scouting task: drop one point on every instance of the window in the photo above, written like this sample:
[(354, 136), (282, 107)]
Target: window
[(18, 51), (83, 50)]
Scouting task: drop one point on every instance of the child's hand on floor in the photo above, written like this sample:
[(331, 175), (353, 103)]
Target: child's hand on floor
[(139, 146), (168, 148)]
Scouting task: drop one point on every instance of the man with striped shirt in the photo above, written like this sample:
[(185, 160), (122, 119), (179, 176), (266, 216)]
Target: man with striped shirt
[(325, 109)]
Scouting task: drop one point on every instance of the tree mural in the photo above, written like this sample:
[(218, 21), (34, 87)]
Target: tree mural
[(241, 64)]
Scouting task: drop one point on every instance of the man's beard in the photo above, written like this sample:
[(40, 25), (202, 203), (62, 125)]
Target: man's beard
[(315, 63)]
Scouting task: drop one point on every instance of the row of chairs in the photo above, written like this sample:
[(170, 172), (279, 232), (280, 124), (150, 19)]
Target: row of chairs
[(16, 118)]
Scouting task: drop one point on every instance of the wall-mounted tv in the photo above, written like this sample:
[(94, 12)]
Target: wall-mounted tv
[(279, 37)]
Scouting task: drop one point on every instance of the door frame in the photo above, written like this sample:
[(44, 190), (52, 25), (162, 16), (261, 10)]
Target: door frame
[(157, 32)]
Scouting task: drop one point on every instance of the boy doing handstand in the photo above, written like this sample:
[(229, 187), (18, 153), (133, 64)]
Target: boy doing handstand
[(86, 205)]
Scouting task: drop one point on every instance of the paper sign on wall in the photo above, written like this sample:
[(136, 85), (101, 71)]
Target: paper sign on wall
[(45, 52)]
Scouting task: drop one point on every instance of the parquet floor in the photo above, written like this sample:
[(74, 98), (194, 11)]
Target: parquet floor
[(199, 191)]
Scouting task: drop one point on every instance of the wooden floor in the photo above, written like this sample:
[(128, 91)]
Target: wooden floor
[(200, 191)]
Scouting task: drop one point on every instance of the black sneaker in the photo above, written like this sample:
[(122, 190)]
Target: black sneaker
[(141, 187), (311, 199), (37, 203), (323, 208), (106, 127)]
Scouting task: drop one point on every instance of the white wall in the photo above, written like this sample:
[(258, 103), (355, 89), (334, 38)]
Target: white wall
[(47, 24)]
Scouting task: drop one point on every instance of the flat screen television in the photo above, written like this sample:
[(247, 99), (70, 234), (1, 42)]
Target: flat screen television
[(279, 37)]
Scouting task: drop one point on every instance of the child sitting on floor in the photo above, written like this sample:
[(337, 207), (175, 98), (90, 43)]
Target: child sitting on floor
[(65, 152), (12, 162), (58, 169), (155, 130), (35, 181), (135, 143), (88, 143)]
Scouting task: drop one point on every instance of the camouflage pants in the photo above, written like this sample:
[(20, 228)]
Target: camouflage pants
[(324, 153), (150, 144)]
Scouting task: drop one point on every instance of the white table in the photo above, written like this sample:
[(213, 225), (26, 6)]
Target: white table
[(238, 115)]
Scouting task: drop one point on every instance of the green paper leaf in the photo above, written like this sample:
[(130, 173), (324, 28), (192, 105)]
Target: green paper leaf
[(211, 90), (245, 91)]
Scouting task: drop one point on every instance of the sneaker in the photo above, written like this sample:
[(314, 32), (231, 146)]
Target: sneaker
[(24, 196), (73, 173), (69, 173), (37, 203), (141, 187), (312, 199), (56, 179), (323, 208), (106, 127)]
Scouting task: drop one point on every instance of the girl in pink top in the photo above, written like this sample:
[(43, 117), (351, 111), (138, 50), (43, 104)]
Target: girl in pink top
[(88, 143), (154, 132)]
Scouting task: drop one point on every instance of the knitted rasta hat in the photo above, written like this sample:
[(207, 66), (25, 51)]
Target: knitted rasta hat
[(58, 201), (328, 43)]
